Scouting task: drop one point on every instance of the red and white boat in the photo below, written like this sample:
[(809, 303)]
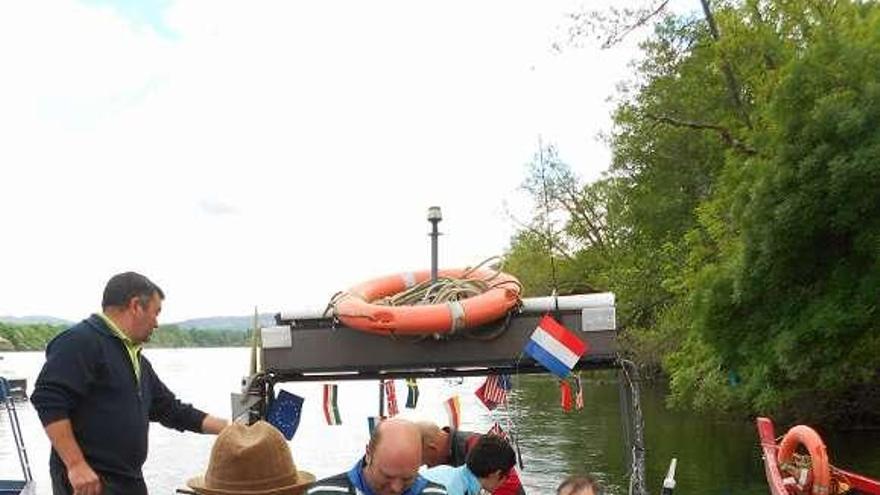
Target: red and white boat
[(799, 465)]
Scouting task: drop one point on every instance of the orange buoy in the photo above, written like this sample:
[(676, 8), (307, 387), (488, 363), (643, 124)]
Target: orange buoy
[(356, 307), (819, 476)]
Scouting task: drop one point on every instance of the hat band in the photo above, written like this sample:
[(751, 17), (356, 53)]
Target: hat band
[(287, 479)]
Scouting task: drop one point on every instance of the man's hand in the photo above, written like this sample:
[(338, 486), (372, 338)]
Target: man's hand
[(81, 476), (84, 480), (214, 425)]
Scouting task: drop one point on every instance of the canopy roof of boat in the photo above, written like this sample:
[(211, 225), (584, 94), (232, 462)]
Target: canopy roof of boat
[(306, 346)]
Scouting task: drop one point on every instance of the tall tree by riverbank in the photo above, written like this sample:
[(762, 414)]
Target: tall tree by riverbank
[(741, 232)]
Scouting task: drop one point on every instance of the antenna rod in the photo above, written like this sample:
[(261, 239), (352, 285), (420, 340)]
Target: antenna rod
[(434, 216)]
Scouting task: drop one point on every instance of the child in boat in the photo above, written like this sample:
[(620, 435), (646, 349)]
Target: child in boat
[(488, 464), (450, 446)]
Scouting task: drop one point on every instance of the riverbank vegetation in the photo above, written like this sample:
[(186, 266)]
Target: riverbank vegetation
[(739, 224), (35, 337)]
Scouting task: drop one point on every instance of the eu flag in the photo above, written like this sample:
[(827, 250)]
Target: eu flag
[(284, 413)]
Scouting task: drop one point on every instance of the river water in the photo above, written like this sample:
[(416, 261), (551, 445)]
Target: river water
[(714, 456)]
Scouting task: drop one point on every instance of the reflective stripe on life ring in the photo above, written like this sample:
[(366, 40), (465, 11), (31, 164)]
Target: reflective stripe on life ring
[(409, 279)]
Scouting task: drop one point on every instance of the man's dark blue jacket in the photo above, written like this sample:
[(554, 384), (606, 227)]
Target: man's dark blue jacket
[(88, 378)]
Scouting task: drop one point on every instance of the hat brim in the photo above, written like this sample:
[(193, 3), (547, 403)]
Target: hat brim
[(305, 478)]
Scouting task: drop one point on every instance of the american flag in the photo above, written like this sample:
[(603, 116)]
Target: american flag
[(497, 431), (494, 390)]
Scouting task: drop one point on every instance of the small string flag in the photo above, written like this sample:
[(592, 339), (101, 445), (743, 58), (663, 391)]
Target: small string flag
[(331, 408), (285, 413), (565, 393), (494, 391), (555, 347), (372, 423), (453, 409), (391, 397), (382, 399), (497, 431), (412, 393)]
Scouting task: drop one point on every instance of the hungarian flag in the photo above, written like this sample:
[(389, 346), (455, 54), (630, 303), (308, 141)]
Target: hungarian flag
[(285, 412), (494, 391), (331, 408), (412, 393), (453, 409), (555, 347)]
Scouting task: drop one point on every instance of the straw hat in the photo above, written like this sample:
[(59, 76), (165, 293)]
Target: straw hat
[(251, 460)]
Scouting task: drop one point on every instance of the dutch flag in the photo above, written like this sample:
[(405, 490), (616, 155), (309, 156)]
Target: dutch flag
[(555, 347)]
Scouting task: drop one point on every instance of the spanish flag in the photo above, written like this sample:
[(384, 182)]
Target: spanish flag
[(453, 409)]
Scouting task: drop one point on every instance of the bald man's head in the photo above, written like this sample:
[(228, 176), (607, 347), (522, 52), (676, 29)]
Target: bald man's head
[(394, 454), (435, 444)]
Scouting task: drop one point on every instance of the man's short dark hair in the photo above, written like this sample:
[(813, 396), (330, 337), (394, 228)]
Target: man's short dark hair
[(123, 286), (491, 453), (579, 482)]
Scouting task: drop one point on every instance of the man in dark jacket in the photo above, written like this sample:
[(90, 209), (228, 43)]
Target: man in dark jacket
[(449, 446), (389, 467), (97, 394)]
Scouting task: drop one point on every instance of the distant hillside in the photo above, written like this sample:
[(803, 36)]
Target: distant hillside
[(241, 323), (34, 320), (225, 322)]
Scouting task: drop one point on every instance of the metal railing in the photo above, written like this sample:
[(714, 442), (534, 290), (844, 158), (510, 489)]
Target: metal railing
[(9, 404)]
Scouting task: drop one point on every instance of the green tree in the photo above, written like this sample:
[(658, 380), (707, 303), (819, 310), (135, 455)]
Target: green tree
[(29, 337), (789, 303), (738, 224)]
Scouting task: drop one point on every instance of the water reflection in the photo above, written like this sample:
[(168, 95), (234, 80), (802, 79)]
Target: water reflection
[(588, 441), (715, 455)]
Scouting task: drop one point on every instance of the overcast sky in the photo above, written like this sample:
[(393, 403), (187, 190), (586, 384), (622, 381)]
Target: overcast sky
[(269, 154)]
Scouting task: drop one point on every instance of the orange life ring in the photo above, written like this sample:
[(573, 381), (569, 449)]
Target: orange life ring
[(820, 468), (355, 307)]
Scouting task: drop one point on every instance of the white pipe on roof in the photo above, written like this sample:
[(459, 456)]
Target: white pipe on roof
[(529, 305)]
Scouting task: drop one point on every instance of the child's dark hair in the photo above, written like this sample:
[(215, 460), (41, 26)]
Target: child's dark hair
[(491, 453)]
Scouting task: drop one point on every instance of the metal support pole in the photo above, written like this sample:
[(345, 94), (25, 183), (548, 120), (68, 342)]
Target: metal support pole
[(434, 216), (633, 427)]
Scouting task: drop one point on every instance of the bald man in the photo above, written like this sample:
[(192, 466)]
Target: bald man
[(390, 466)]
